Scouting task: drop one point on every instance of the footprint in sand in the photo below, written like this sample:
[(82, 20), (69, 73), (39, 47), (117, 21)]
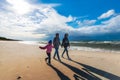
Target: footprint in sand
[(19, 77), (28, 67)]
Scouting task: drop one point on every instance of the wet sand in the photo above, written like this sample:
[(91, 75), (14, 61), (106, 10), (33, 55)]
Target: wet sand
[(27, 62)]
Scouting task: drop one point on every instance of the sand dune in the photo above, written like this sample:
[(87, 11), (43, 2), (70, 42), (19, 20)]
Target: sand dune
[(26, 62)]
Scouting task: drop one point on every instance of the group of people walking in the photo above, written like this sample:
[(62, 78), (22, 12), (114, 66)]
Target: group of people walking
[(56, 43)]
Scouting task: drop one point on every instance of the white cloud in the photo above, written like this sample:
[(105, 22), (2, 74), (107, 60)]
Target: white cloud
[(17, 26), (107, 14), (39, 21), (19, 6), (113, 24), (85, 22), (110, 26), (43, 19)]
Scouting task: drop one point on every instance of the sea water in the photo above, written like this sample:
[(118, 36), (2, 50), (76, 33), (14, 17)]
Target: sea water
[(109, 46), (105, 46)]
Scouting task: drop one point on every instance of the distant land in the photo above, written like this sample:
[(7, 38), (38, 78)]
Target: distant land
[(6, 39)]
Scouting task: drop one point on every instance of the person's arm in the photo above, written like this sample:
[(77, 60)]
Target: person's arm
[(43, 47), (53, 41), (59, 42), (68, 43), (62, 43)]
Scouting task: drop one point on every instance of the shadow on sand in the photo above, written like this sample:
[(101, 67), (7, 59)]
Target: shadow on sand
[(82, 75), (90, 69), (78, 77), (59, 73)]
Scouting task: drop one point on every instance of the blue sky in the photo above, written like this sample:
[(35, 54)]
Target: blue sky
[(89, 8), (41, 19)]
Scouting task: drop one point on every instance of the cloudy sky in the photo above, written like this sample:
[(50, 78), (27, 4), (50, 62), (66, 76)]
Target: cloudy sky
[(41, 19)]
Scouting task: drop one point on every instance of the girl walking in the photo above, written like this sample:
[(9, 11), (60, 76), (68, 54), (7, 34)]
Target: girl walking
[(48, 48)]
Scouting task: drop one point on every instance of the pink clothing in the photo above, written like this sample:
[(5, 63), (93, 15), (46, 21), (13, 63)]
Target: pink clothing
[(48, 47)]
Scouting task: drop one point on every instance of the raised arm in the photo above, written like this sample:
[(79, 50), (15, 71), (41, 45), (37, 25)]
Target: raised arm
[(43, 47)]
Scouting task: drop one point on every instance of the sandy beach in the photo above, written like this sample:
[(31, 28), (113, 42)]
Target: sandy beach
[(27, 62)]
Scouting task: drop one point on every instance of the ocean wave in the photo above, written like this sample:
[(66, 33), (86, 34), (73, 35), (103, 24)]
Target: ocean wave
[(109, 46), (92, 49)]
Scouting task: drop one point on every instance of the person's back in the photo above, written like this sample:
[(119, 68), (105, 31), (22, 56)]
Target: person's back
[(49, 48), (56, 43), (65, 42)]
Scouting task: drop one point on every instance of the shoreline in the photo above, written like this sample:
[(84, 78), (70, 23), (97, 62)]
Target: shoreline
[(79, 48)]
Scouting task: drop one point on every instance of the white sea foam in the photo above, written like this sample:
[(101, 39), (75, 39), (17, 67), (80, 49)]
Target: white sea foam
[(29, 42), (92, 49)]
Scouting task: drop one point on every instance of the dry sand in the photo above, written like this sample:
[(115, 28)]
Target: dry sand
[(26, 62)]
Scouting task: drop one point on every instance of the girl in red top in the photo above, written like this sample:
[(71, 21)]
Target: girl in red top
[(48, 48)]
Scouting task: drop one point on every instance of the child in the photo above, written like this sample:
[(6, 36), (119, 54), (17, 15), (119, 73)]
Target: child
[(48, 51)]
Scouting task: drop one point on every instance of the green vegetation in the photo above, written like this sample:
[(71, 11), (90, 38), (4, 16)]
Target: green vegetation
[(6, 39)]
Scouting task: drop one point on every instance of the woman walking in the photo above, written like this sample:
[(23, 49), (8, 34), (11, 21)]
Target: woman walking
[(65, 44)]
